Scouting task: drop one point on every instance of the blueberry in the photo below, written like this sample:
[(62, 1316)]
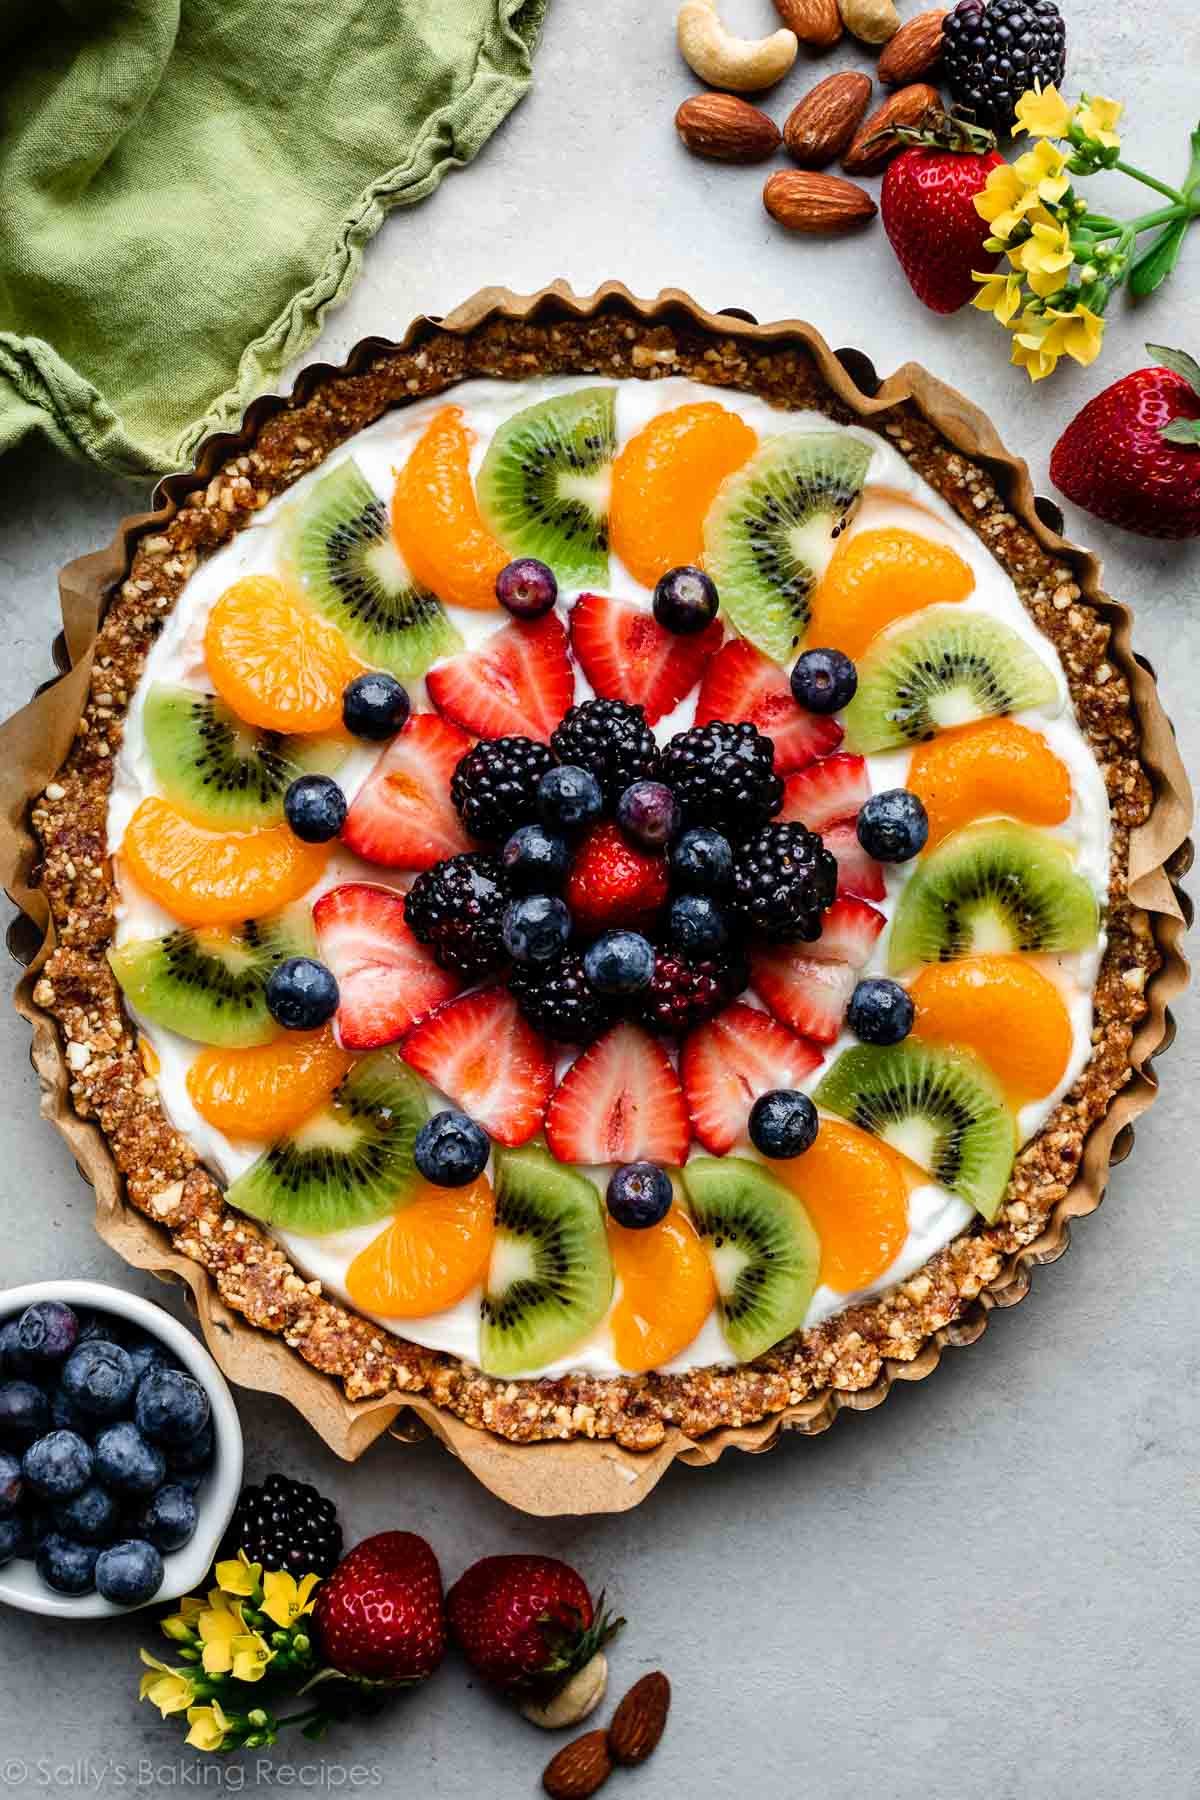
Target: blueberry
[(66, 1416), (375, 707), (648, 813), (171, 1407), (90, 1516), (12, 1486), (535, 928), (129, 1573), (824, 681), (535, 858), (169, 1520), (685, 600), (24, 1413), (194, 1457), (126, 1463), (148, 1353), (96, 1328), (569, 798), (48, 1331), (880, 1012), (12, 1539), (619, 962), (98, 1378), (893, 826), (315, 808), (639, 1195), (696, 925), (451, 1149), (65, 1566), (702, 861), (58, 1465), (783, 1123), (13, 1360), (301, 994), (526, 588)]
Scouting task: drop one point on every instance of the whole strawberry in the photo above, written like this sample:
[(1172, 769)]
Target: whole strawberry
[(928, 209), (526, 1623), (380, 1617), (1132, 456)]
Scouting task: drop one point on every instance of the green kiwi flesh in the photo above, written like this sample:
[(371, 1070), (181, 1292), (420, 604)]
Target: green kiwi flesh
[(550, 1279), (941, 668), (544, 484), (772, 529), (764, 1252), (995, 888), (220, 771), (341, 547), (350, 1163)]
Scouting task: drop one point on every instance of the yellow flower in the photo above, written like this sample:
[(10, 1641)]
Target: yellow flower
[(1030, 350), (1077, 334), (164, 1687), (181, 1626), (218, 1627), (1004, 201), (1098, 118), (239, 1575), (999, 293), (1042, 112), (1045, 256), (283, 1601), (1042, 171), (251, 1657), (209, 1727)]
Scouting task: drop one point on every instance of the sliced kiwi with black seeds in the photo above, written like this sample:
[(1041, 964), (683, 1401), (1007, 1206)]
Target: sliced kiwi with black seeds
[(220, 771), (992, 888), (208, 983), (550, 1279), (942, 1108), (764, 1252), (341, 548), (350, 1163), (941, 668), (772, 529), (544, 485)]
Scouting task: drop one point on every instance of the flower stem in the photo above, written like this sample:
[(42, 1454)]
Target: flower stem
[(1150, 181)]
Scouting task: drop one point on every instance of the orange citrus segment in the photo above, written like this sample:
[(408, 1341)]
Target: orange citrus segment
[(878, 576), (214, 877), (667, 1290), (274, 661), (436, 520), (431, 1254), (266, 1092), (664, 482), (856, 1195), (996, 766), (1006, 1011)]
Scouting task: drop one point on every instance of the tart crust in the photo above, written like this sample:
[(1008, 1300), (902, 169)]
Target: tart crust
[(164, 1178)]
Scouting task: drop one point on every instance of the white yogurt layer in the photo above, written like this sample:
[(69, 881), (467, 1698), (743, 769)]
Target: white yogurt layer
[(894, 496)]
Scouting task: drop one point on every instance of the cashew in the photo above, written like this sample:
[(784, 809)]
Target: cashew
[(742, 64), (581, 1696), (871, 21)]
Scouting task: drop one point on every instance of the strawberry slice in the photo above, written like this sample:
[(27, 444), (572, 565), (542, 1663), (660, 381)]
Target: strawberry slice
[(858, 873), (619, 1102), (826, 792), (741, 683), (612, 883), (402, 816), (386, 979), (728, 1064), (849, 931), (519, 682), (481, 1052), (809, 995), (627, 655)]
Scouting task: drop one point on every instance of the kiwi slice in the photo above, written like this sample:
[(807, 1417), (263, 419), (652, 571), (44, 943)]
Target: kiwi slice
[(993, 887), (544, 485), (941, 1108), (341, 548), (209, 984), (771, 531), (940, 668), (350, 1163), (764, 1251), (550, 1280), (219, 771)]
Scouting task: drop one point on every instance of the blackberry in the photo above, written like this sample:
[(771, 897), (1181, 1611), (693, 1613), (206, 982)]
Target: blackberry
[(286, 1525), (457, 908), (560, 1002), (992, 53), (494, 787), (783, 880), (723, 775), (613, 740), (685, 992)]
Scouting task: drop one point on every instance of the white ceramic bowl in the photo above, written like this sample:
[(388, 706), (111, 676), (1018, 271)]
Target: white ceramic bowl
[(20, 1584)]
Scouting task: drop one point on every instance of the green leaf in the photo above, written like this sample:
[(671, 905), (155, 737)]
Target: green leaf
[(1182, 431), (1177, 360), (1151, 268)]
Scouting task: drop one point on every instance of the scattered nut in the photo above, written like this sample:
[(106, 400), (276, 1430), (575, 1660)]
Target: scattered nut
[(871, 21), (915, 50), (821, 127), (817, 23), (816, 203), (575, 1700), (640, 1720), (580, 1767), (876, 142), (725, 61), (726, 128)]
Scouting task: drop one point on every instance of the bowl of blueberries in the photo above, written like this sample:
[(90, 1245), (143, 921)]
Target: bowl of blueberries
[(120, 1452)]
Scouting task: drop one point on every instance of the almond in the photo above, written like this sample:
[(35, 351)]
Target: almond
[(914, 51), (816, 203), (726, 128), (876, 141), (640, 1720), (579, 1768), (815, 22), (820, 127)]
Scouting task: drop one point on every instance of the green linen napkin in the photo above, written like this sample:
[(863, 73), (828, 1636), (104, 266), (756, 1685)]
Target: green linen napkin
[(187, 185)]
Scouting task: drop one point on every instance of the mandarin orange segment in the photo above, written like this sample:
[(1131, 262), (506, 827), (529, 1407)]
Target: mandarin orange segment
[(274, 661), (266, 1092), (217, 877), (667, 1290), (436, 520), (664, 482), (431, 1255), (1006, 1011), (854, 1190), (993, 767), (877, 576)]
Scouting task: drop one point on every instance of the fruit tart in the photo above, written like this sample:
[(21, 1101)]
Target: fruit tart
[(592, 884)]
